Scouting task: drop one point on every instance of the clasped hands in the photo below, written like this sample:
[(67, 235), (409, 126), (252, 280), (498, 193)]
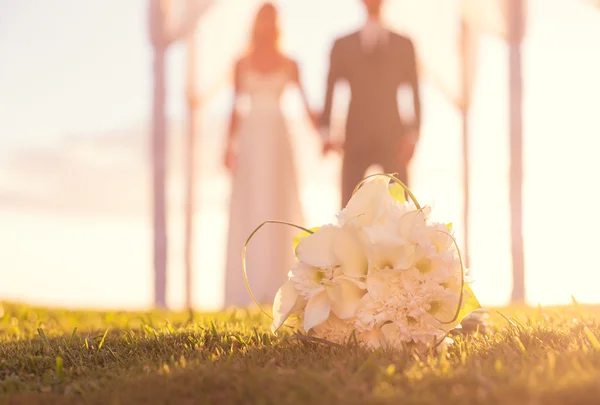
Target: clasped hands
[(406, 145)]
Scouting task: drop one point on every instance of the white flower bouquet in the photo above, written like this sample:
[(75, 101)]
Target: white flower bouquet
[(384, 275)]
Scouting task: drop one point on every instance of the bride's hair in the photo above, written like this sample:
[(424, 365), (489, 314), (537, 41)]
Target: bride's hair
[(265, 30)]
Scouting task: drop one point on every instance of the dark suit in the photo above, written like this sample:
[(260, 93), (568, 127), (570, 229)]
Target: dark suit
[(373, 126)]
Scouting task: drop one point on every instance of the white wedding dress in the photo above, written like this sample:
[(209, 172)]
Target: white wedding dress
[(264, 187)]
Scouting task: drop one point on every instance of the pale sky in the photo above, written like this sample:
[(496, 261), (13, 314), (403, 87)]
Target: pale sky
[(83, 66), (73, 66)]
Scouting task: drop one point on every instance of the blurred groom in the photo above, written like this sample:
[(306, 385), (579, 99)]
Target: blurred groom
[(375, 62)]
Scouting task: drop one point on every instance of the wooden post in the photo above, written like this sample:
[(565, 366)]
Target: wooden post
[(158, 157), (162, 34), (515, 21), (190, 151), (465, 107)]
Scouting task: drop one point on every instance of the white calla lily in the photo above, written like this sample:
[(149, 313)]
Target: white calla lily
[(407, 222), (392, 257), (444, 311), (341, 296), (344, 295), (369, 202), (333, 246), (441, 237), (285, 301), (307, 279), (349, 252), (317, 310), (317, 249)]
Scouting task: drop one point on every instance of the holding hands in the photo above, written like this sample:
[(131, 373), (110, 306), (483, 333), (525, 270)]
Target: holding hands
[(408, 144), (329, 145), (230, 156)]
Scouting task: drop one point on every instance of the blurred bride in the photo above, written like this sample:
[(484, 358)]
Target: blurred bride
[(260, 158)]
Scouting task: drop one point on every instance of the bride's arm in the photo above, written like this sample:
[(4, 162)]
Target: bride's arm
[(234, 120), (230, 148), (296, 77)]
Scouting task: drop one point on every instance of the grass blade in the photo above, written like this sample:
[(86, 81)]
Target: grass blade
[(591, 338), (102, 341)]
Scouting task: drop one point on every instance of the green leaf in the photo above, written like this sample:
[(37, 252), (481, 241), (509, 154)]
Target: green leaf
[(303, 234), (470, 303), (397, 192)]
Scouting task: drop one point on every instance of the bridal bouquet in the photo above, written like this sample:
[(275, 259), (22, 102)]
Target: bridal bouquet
[(384, 275)]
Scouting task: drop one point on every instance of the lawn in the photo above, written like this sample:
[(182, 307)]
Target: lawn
[(531, 356)]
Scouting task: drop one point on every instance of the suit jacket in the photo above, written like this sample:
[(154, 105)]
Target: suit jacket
[(374, 77)]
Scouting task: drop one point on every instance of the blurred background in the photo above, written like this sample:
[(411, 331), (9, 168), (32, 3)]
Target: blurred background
[(76, 83)]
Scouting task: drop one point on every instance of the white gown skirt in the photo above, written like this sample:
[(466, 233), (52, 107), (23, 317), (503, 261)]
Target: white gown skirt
[(265, 187)]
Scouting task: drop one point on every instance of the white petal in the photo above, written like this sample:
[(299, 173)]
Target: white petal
[(350, 253), (399, 257), (360, 284), (368, 201), (384, 232), (406, 223), (365, 301), (378, 286), (306, 277), (284, 303), (406, 257), (440, 237), (444, 309), (345, 295), (317, 311), (317, 249)]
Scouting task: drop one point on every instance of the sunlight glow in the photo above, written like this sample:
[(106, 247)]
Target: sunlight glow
[(74, 180)]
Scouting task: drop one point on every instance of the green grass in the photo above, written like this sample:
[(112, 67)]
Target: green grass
[(535, 356)]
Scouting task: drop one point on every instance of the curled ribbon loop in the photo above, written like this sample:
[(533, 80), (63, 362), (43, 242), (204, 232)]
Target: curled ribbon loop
[(244, 269)]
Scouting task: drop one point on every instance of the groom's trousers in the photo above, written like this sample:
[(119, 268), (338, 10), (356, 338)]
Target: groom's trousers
[(357, 161)]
